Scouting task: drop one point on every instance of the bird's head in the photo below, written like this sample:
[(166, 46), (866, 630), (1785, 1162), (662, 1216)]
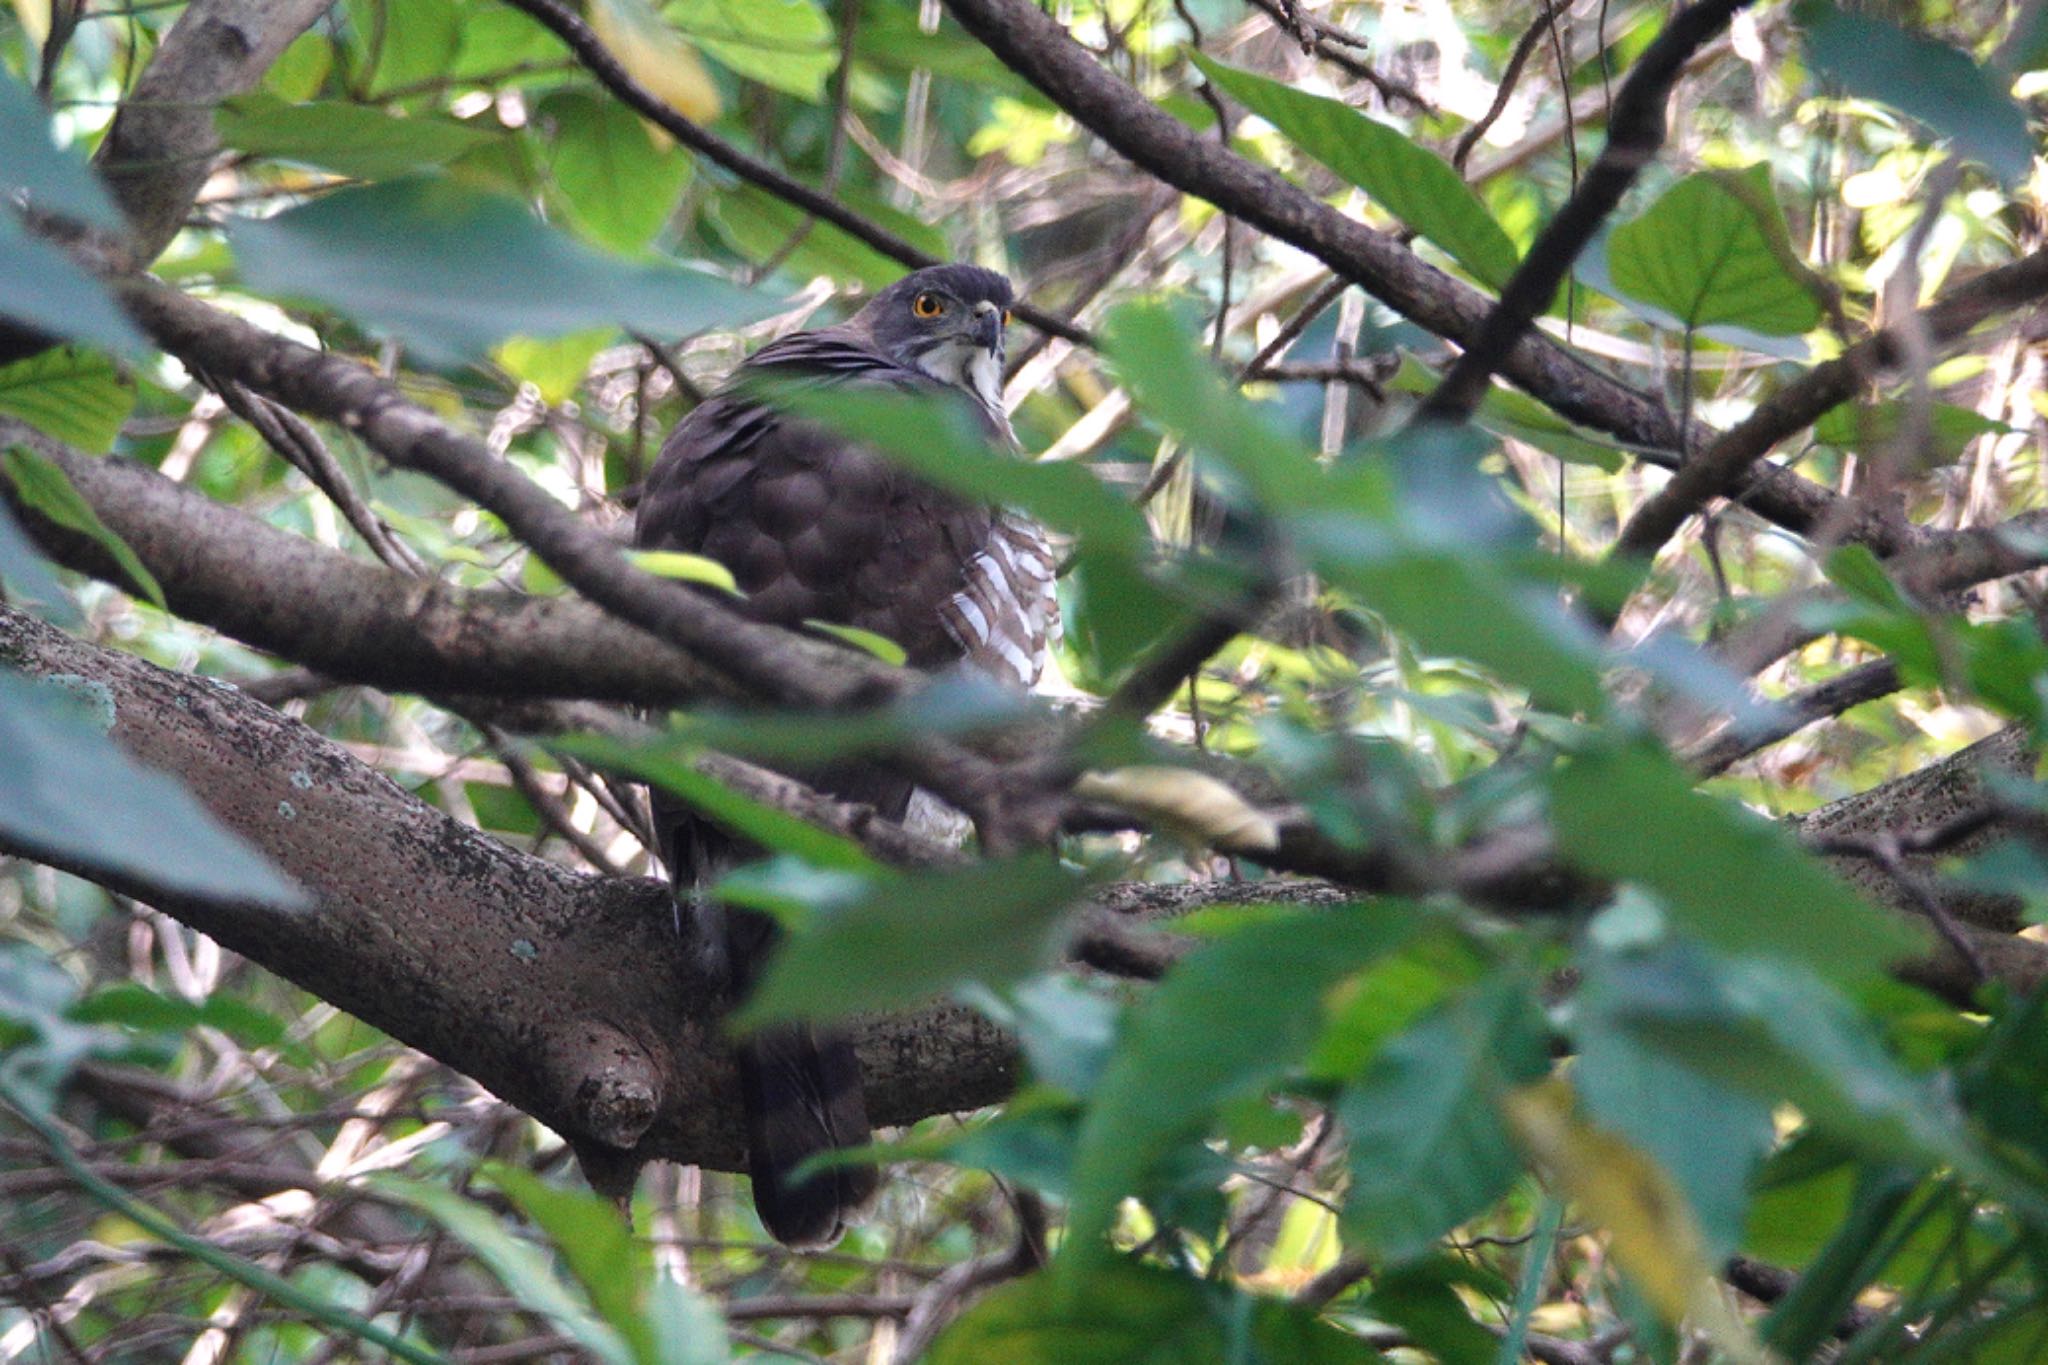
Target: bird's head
[(946, 320)]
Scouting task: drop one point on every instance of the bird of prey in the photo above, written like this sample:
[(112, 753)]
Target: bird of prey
[(816, 527)]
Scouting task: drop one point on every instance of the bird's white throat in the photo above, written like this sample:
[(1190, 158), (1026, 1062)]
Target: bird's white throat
[(960, 362)]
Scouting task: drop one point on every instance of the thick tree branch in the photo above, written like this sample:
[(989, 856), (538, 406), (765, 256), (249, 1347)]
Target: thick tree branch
[(567, 995), (352, 621)]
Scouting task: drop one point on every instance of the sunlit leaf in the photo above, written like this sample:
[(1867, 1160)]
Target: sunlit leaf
[(655, 56), (70, 395), (617, 184), (786, 45), (1713, 252)]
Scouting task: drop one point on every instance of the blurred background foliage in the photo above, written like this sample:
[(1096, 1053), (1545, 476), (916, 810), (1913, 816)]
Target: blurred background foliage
[(1389, 1130)]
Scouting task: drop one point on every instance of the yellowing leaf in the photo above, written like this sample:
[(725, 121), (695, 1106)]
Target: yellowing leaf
[(1651, 1229), (656, 56)]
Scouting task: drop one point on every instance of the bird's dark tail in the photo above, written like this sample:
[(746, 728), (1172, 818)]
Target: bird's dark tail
[(802, 1091)]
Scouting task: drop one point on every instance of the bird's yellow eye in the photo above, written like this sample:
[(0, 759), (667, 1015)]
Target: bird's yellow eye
[(927, 305), (1006, 317)]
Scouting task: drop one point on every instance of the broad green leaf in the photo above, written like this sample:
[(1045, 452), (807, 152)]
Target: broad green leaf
[(70, 395), (1509, 412), (454, 271), (1429, 1147), (356, 140), (1655, 1102), (75, 797), (1713, 252), (758, 226), (617, 180), (1956, 96), (1730, 877), (1124, 1313), (45, 289), (44, 488), (786, 45), (408, 43), (1228, 1020), (518, 1264), (910, 938), (57, 180), (667, 764), (536, 577), (1413, 183)]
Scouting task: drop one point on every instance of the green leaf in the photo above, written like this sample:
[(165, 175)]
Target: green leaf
[(1429, 1147), (615, 182), (44, 488), (557, 368), (1411, 182), (70, 395), (23, 572), (1728, 876), (1656, 1102), (57, 179), (454, 271), (1713, 251), (1956, 96), (1124, 1313), (1228, 1020), (786, 45), (355, 140), (409, 43), (45, 289), (519, 1265), (911, 938), (75, 797)]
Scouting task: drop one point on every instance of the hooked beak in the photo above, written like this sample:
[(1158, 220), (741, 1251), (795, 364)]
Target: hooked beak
[(988, 327)]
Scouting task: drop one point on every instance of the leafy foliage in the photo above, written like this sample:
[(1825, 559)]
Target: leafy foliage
[(1576, 1025)]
